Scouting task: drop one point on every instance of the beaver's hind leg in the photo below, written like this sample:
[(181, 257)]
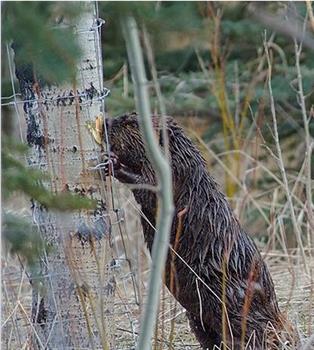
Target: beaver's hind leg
[(208, 338)]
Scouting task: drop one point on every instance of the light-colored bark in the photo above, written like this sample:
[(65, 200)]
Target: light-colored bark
[(74, 301)]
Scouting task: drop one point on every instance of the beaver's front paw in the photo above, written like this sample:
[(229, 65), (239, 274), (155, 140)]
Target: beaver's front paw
[(109, 164), (112, 164)]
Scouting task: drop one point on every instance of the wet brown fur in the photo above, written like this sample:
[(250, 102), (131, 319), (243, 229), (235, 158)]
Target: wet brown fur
[(208, 237)]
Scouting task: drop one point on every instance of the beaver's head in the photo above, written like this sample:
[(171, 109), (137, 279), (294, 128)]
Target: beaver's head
[(125, 140), (126, 143)]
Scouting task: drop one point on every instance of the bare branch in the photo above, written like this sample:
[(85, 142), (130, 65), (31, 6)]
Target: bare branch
[(291, 28), (280, 160), (308, 152)]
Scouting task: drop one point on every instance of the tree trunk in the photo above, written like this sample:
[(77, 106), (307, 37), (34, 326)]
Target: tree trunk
[(73, 299)]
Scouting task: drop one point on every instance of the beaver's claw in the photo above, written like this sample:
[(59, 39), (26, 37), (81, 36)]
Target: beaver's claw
[(109, 164), (112, 164)]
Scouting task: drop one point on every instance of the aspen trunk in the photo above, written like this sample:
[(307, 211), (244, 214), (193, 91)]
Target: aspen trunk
[(73, 300)]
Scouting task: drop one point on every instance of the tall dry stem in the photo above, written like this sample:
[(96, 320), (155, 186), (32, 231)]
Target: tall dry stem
[(279, 160)]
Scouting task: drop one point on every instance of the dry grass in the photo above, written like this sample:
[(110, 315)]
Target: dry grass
[(293, 286)]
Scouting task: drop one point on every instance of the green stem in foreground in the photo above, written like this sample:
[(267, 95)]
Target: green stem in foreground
[(163, 176)]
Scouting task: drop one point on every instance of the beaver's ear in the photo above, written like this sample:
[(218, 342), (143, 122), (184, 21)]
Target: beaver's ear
[(130, 119), (133, 115)]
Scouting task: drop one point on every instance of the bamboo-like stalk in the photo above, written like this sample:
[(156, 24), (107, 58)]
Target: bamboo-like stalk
[(163, 175)]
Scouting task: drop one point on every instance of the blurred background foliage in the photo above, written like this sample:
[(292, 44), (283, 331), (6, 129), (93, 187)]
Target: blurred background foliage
[(212, 71), (182, 31), (211, 68)]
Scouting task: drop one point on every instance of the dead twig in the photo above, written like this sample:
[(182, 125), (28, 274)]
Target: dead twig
[(280, 162)]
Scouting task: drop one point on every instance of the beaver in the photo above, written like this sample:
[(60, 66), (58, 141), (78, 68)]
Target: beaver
[(213, 268)]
